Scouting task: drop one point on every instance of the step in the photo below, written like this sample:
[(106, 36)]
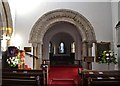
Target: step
[(68, 79), (61, 79)]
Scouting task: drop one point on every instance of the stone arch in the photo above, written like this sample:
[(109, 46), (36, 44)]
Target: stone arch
[(49, 19), (6, 17), (6, 24)]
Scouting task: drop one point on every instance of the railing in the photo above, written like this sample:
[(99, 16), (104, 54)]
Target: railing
[(76, 62), (31, 55)]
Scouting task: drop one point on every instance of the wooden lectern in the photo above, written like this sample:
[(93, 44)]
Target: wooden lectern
[(89, 60)]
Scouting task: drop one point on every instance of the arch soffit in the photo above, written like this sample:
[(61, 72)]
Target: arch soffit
[(6, 17), (47, 20)]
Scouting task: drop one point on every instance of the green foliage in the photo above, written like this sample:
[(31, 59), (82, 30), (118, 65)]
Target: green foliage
[(13, 61), (107, 57)]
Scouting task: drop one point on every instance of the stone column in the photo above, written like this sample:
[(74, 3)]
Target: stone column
[(39, 55), (87, 52), (90, 54), (84, 50), (34, 54), (89, 49), (93, 49), (84, 53)]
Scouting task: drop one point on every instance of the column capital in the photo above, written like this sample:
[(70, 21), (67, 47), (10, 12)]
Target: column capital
[(34, 44)]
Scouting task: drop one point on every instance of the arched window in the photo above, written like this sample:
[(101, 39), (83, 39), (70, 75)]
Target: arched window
[(73, 47), (50, 47), (62, 48)]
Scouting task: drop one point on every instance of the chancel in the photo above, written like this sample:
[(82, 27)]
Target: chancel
[(54, 43)]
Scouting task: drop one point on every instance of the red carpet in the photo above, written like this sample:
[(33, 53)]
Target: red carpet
[(63, 75)]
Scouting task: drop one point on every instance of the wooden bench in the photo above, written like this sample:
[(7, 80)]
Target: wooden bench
[(99, 78), (16, 77), (105, 82)]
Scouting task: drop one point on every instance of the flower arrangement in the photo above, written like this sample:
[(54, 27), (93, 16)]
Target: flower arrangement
[(107, 57), (13, 61)]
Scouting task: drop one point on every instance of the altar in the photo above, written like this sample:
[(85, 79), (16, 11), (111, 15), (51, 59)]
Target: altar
[(62, 59)]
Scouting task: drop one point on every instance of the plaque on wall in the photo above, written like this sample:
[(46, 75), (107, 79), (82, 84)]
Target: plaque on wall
[(27, 49), (100, 47), (118, 37)]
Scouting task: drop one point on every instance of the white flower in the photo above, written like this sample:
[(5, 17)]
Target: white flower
[(13, 58), (8, 62), (107, 57), (10, 58), (107, 54), (111, 54)]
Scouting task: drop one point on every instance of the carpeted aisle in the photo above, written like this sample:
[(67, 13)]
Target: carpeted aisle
[(63, 76)]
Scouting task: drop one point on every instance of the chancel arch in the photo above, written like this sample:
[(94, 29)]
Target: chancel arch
[(83, 33)]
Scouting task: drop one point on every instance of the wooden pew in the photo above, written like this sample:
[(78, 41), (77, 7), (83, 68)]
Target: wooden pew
[(105, 82), (99, 78), (16, 77)]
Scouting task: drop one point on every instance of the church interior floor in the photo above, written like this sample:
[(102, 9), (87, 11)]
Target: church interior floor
[(63, 76)]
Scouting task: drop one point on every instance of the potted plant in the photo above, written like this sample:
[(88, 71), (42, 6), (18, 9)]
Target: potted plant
[(107, 57)]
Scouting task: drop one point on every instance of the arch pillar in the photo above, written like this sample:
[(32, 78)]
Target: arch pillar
[(34, 54), (37, 51), (39, 55), (84, 50), (84, 53), (89, 65), (90, 49), (87, 51)]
